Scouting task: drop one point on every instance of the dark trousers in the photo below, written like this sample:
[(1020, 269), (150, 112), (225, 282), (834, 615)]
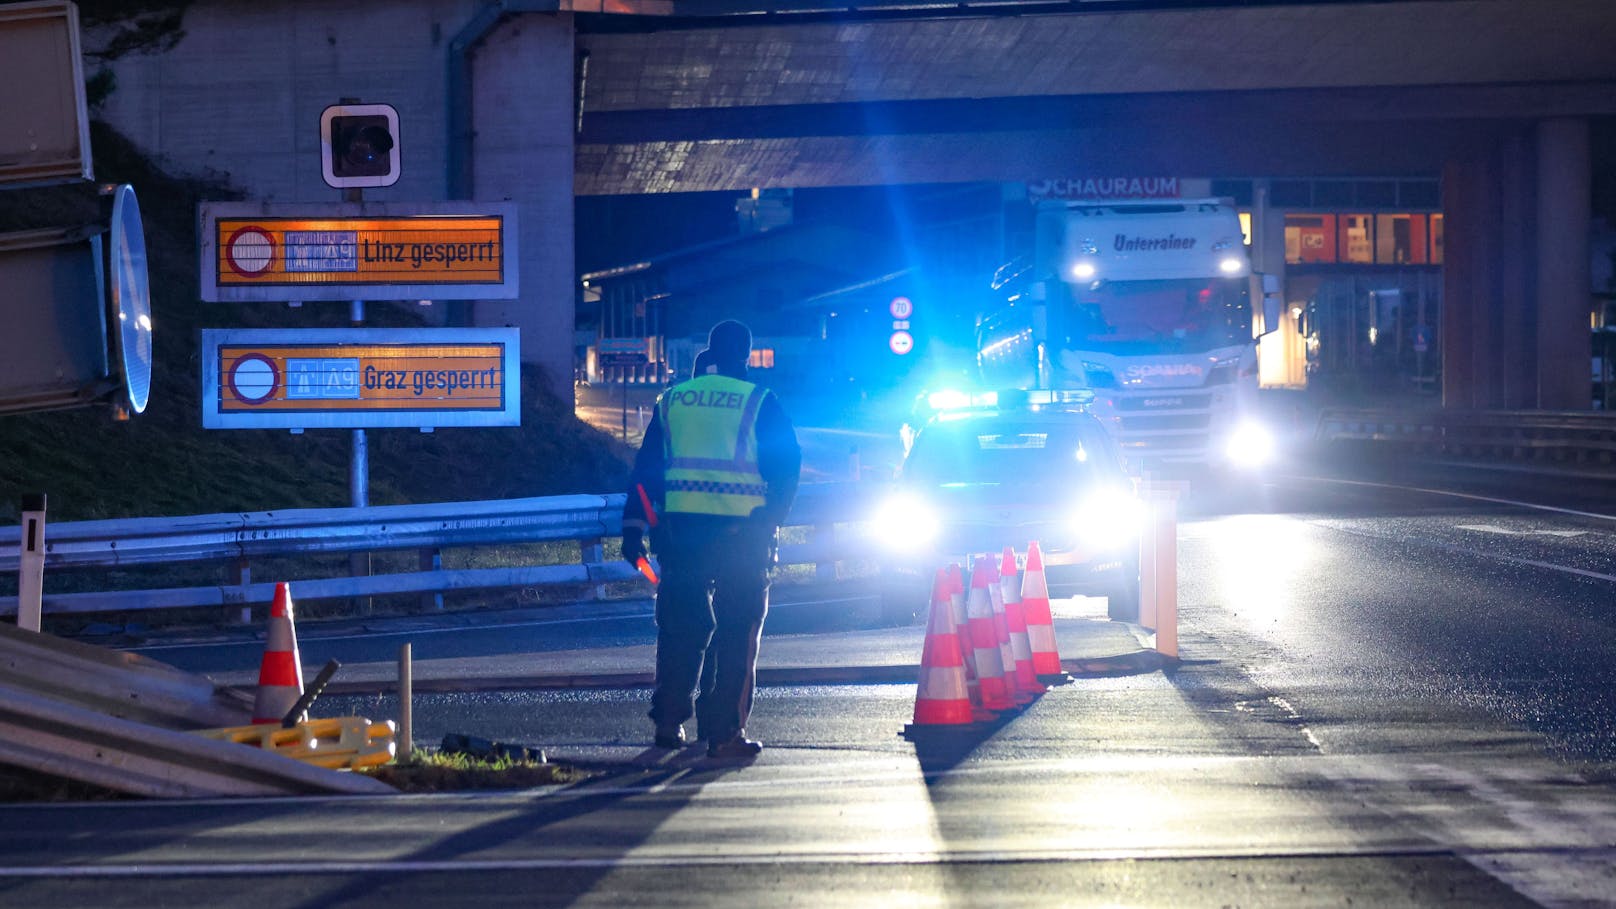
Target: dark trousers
[(709, 614)]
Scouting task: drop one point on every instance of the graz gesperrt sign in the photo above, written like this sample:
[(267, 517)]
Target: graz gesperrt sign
[(360, 378)]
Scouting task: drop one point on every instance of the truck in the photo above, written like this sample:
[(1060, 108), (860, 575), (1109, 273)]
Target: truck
[(1150, 305)]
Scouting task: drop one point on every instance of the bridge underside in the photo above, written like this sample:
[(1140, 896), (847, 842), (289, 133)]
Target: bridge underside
[(1303, 132), (675, 103), (1495, 96)]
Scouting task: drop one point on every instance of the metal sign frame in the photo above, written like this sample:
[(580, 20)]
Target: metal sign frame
[(321, 342), (341, 248), (47, 130), (55, 352)]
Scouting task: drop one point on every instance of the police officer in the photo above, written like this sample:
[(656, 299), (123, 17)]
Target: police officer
[(713, 481)]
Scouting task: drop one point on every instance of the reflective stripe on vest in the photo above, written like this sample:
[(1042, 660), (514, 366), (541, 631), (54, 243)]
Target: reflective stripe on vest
[(709, 431)]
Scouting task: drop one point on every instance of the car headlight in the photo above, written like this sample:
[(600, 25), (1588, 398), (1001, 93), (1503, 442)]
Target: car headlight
[(1250, 445), (1108, 519), (904, 521)]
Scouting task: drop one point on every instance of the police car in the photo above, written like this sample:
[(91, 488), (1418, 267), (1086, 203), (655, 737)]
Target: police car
[(1003, 469)]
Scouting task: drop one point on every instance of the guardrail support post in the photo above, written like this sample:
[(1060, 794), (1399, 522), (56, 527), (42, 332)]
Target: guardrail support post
[(406, 701), (31, 563), (243, 579), (591, 552), (430, 560)]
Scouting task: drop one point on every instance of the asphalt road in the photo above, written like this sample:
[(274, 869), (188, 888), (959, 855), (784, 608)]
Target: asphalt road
[(1389, 695)]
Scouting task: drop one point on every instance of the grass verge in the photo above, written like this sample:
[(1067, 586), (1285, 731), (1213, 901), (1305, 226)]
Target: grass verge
[(434, 771)]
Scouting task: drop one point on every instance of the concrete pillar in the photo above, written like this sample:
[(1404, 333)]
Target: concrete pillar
[(1564, 212), (1489, 322), (1463, 203), (1511, 356), (523, 101)]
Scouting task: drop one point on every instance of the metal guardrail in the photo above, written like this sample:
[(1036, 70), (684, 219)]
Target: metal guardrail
[(240, 537), (1580, 436)]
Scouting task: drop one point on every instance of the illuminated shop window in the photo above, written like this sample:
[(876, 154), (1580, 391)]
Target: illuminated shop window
[(762, 358), (1356, 239), (1392, 238), (1400, 240), (1309, 238)]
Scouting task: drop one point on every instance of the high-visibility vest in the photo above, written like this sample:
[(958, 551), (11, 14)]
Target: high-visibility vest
[(709, 432)]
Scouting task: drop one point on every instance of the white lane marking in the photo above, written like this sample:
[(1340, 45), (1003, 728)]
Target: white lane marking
[(1290, 711), (1480, 554), (1494, 528), (953, 856), (1456, 495), (1532, 563)]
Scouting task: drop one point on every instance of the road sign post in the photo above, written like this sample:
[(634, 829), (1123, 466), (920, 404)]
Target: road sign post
[(623, 353)]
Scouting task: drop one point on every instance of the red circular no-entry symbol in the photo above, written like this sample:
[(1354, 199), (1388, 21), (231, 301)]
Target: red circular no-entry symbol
[(249, 251), (254, 379)]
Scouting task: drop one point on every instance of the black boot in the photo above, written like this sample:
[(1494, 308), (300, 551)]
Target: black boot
[(736, 747), (670, 737)]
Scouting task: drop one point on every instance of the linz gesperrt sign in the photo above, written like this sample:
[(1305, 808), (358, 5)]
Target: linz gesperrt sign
[(357, 251)]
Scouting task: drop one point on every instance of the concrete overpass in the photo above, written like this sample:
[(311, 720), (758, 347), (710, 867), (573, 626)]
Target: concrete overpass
[(535, 101)]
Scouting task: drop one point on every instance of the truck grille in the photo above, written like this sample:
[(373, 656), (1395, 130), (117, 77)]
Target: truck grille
[(1164, 425)]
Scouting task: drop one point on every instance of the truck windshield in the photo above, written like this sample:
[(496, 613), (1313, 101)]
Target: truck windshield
[(1169, 316)]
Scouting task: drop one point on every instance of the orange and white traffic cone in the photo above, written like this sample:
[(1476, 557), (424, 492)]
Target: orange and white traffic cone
[(941, 698), (985, 639), (1015, 618), (1001, 627), (1040, 621), (280, 675), (962, 625)]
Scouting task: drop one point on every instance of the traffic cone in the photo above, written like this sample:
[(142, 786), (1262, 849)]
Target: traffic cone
[(941, 698), (1040, 622), (962, 625), (985, 639), (1015, 618), (1001, 628), (280, 675)]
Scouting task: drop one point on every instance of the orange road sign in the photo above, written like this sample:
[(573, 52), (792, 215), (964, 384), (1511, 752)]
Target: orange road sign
[(358, 378), (375, 251)]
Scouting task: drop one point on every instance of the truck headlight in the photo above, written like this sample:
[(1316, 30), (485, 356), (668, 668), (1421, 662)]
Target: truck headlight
[(904, 521), (1250, 445), (1107, 519)]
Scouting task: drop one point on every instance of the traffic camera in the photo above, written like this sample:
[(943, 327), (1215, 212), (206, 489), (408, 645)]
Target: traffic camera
[(359, 145)]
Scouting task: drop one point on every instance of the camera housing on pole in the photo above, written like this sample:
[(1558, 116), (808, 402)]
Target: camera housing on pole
[(359, 145)]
